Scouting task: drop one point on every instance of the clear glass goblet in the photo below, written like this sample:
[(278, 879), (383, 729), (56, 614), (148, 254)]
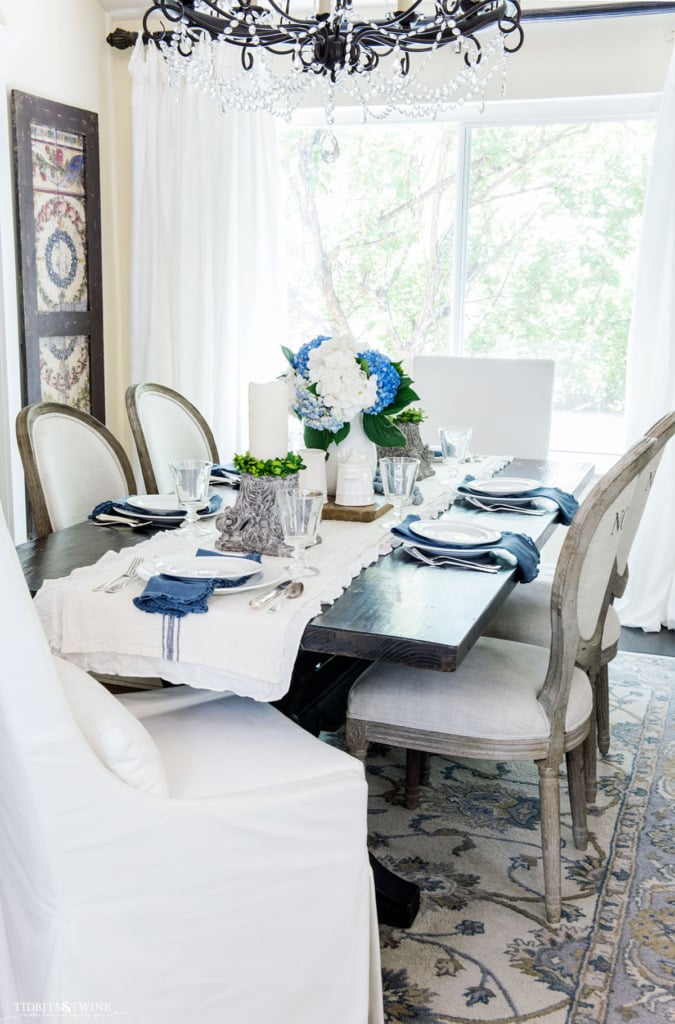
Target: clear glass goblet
[(299, 514), (399, 474), (191, 481), (455, 443)]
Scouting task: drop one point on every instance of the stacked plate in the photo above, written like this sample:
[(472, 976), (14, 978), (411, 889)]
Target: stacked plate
[(439, 536), (234, 574), (162, 508), (515, 490)]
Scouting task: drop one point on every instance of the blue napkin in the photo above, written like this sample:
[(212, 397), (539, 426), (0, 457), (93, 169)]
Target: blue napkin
[(417, 496), (518, 544), (178, 598), (164, 595), (226, 473), (567, 503), (109, 508)]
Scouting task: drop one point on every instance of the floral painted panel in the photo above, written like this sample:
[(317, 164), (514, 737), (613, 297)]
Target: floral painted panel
[(65, 371), (60, 218)]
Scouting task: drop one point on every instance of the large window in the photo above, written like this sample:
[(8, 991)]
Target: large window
[(490, 239)]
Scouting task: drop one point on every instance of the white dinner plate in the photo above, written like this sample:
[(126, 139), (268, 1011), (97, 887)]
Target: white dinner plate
[(453, 532), (207, 567), (267, 576), (156, 503), (503, 486)]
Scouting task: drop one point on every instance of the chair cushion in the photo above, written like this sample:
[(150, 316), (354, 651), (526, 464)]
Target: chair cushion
[(117, 738), (236, 745), (493, 695), (526, 617)]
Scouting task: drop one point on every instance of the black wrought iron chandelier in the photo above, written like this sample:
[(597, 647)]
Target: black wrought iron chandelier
[(283, 55)]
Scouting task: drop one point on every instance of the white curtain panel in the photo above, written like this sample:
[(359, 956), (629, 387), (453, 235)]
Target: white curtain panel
[(649, 601), (207, 284)]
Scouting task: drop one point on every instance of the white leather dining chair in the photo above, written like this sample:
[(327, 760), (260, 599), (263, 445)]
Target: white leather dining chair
[(166, 428), (512, 701), (507, 402), (174, 857), (71, 462)]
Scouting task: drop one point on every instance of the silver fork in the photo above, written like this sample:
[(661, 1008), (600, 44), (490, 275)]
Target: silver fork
[(440, 560), (518, 509), (118, 582)]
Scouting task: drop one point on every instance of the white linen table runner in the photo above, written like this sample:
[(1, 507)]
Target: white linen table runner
[(231, 648)]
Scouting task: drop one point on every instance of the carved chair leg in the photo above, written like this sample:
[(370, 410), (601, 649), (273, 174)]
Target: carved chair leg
[(591, 762), (549, 799), (425, 770), (413, 767), (577, 789), (602, 708), (356, 737)]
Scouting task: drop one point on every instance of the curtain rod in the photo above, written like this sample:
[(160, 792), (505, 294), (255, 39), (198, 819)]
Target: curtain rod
[(123, 39)]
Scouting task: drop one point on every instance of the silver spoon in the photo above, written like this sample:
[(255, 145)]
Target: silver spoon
[(291, 591)]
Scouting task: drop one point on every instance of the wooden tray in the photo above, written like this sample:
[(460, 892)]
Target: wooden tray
[(355, 513)]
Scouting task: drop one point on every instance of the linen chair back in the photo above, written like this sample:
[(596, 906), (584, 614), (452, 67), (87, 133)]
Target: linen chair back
[(580, 589), (507, 402), (661, 431), (71, 461), (166, 428)]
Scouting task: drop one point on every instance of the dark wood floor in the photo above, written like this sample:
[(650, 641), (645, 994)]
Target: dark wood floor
[(639, 642)]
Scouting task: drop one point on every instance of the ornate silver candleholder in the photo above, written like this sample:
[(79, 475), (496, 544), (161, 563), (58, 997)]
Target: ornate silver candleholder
[(252, 523)]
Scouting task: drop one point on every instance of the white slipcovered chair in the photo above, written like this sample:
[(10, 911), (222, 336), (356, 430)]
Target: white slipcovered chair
[(515, 701), (525, 616), (166, 428), (507, 402), (71, 461), (174, 857)]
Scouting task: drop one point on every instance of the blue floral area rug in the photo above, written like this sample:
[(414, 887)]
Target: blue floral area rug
[(480, 949)]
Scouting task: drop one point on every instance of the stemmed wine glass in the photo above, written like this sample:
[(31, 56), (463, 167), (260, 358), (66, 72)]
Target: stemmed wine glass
[(299, 514), (191, 481), (399, 474), (455, 443)]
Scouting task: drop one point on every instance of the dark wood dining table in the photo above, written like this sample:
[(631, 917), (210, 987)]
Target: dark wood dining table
[(395, 610)]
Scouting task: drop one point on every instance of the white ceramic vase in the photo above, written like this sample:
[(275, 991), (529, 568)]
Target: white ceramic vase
[(355, 440)]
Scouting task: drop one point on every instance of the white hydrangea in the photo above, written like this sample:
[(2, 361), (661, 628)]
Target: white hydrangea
[(341, 383)]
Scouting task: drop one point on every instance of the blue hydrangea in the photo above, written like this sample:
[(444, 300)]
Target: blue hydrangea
[(388, 380), (313, 412), (301, 357)]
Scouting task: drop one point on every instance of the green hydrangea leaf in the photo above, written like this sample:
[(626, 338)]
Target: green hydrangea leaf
[(382, 431)]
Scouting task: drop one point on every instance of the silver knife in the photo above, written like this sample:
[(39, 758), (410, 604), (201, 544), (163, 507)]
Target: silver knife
[(262, 601)]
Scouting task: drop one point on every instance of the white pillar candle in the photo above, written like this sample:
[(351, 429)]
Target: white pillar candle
[(268, 420)]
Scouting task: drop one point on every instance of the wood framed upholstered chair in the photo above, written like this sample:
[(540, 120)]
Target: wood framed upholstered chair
[(175, 856), (71, 461), (507, 402), (515, 701), (525, 615), (166, 428)]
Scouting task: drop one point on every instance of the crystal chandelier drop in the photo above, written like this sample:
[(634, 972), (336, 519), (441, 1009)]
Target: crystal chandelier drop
[(383, 65)]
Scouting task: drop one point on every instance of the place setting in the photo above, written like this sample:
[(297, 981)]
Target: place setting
[(519, 495), (446, 543), (184, 508), (179, 584)]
